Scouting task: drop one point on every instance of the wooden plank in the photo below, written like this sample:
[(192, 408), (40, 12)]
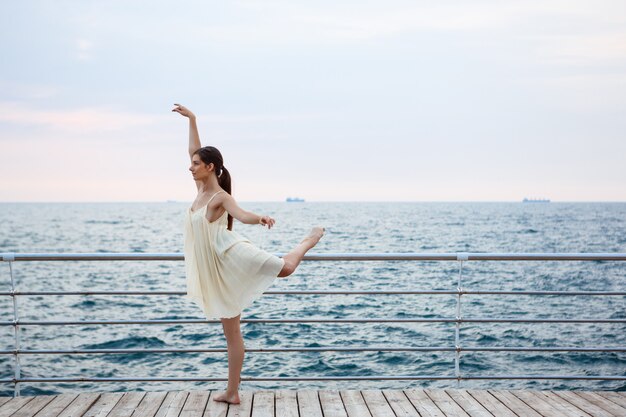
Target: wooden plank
[(446, 403), (583, 404), (263, 404), (80, 405), (423, 404), (616, 397), (215, 408), (562, 405), (309, 403), (286, 403), (468, 403), (377, 403), (56, 406), (150, 404), (33, 407), (538, 403), (332, 405), (244, 408), (4, 400), (127, 405), (172, 404), (104, 404), (13, 405), (400, 404), (354, 403), (491, 403), (195, 404), (602, 402), (518, 406)]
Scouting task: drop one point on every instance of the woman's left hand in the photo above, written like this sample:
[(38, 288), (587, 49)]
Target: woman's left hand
[(267, 221), (184, 111)]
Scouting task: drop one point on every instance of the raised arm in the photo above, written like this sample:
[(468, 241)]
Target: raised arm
[(194, 137)]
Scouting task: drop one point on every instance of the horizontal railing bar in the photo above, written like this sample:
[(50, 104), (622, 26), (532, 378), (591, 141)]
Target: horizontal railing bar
[(470, 256), (322, 292), (319, 349), (203, 321), (541, 320), (543, 349), (570, 377), (328, 378), (375, 320), (312, 378), (222, 350)]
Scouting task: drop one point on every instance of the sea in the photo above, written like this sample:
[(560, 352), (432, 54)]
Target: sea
[(351, 227)]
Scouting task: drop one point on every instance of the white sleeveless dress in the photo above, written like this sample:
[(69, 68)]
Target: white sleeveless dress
[(225, 271)]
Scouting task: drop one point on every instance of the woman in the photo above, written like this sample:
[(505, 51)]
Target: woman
[(225, 271)]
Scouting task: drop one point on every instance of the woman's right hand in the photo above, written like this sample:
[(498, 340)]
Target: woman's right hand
[(267, 221), (184, 111)]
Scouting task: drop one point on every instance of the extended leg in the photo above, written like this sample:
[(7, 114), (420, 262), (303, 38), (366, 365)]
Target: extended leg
[(293, 258), (232, 331)]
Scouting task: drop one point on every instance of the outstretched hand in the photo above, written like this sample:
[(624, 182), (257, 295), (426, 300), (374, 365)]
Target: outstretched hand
[(184, 111), (267, 221)]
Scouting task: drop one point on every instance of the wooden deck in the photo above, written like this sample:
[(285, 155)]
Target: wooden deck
[(310, 403)]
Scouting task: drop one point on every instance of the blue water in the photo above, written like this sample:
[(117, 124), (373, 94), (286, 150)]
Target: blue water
[(351, 227)]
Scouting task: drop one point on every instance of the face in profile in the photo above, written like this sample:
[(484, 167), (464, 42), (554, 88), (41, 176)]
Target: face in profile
[(200, 170)]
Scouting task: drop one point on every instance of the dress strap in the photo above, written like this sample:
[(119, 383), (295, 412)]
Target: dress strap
[(210, 199)]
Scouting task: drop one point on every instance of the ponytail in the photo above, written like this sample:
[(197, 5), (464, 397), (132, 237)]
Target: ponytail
[(224, 181)]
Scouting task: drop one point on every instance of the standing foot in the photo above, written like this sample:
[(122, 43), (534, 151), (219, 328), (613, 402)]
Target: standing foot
[(228, 398)]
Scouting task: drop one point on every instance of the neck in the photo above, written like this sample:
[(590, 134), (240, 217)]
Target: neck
[(210, 185)]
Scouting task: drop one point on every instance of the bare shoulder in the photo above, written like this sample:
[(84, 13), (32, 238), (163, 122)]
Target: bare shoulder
[(228, 202), (222, 197)]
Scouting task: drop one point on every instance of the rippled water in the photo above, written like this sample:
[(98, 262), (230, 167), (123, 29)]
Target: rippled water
[(351, 227)]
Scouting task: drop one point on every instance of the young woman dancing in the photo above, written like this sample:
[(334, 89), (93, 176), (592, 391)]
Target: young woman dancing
[(225, 271)]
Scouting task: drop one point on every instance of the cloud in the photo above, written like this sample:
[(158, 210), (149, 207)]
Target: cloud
[(74, 120), (289, 24), (88, 120), (84, 49), (286, 22), (226, 119), (27, 91), (600, 49)]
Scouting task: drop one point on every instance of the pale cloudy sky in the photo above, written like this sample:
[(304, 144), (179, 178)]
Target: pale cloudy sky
[(332, 101)]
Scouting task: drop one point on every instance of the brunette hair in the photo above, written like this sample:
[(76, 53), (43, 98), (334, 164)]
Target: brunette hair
[(211, 155)]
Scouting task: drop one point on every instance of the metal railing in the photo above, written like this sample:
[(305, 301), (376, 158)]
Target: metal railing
[(458, 320)]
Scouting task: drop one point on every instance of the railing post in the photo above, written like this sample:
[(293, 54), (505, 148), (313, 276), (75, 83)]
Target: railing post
[(461, 257), (10, 258)]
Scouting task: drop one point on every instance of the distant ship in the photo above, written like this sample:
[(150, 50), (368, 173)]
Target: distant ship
[(295, 200), (535, 200)]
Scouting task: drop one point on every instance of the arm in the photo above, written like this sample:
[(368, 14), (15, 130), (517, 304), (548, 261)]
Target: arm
[(246, 217), (194, 136)]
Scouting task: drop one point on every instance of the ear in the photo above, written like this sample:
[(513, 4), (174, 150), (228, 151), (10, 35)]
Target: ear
[(211, 166)]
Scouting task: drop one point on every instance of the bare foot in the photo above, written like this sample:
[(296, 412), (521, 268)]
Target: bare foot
[(314, 236), (228, 398)]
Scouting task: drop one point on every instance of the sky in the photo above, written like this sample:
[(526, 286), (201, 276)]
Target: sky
[(329, 101)]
